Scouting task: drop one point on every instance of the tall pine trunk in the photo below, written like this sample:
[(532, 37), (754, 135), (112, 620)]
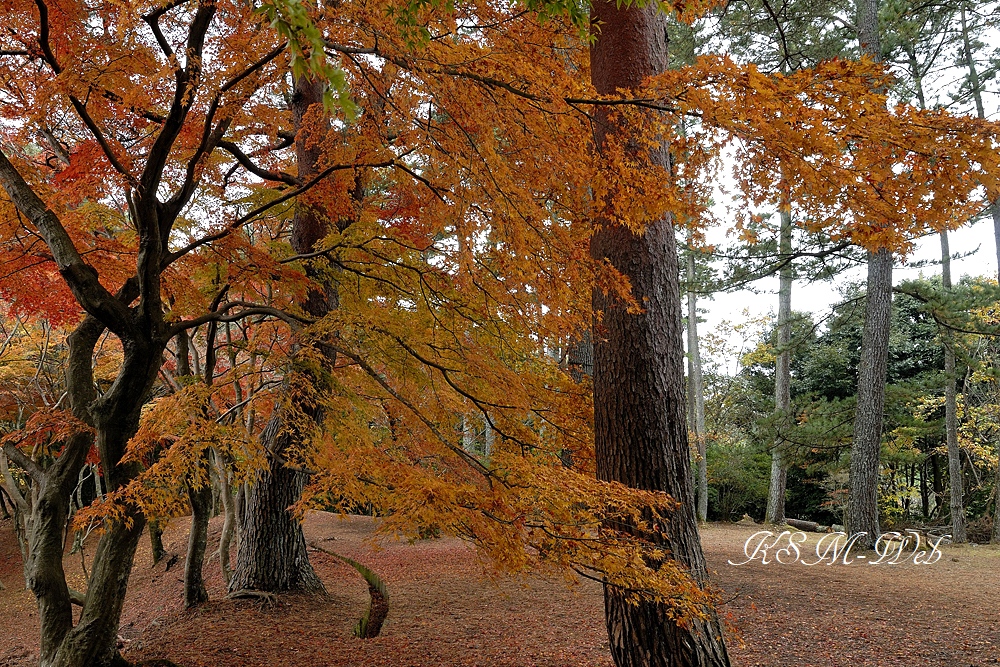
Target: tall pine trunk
[(639, 423), (862, 500), (977, 95), (696, 391), (958, 533), (782, 374)]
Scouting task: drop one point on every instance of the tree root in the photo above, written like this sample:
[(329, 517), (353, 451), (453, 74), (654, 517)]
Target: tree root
[(369, 625), (265, 598)]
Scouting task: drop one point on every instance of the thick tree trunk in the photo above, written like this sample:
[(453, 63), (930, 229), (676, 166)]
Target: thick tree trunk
[(46, 577), (639, 424), (201, 511), (696, 391), (272, 552), (782, 375), (958, 534), (93, 641), (862, 502)]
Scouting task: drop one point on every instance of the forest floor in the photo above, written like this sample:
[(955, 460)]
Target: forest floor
[(446, 610)]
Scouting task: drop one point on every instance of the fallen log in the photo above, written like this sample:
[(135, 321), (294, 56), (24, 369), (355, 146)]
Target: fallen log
[(810, 526)]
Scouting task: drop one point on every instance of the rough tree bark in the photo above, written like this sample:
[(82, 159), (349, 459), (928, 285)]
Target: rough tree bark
[(156, 541), (862, 501), (782, 374), (639, 423), (272, 555)]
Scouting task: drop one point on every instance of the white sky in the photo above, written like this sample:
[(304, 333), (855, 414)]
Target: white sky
[(818, 297)]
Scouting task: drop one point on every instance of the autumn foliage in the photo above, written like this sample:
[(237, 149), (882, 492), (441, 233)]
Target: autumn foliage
[(460, 187)]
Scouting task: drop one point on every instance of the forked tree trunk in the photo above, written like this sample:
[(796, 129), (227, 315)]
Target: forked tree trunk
[(782, 375), (94, 640), (639, 424), (862, 501)]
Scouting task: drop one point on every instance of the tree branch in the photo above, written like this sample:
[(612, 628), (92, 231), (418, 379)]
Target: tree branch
[(81, 278), (239, 222), (185, 80), (152, 20), (469, 458), (210, 139), (81, 108), (247, 163), (23, 461), (249, 310)]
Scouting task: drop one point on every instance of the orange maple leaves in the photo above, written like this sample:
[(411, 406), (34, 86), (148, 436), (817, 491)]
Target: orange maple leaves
[(461, 260)]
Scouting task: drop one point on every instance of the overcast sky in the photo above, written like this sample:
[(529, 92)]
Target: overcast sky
[(818, 297)]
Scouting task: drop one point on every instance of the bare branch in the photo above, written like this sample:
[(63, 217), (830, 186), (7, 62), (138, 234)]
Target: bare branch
[(375, 375), (185, 80), (248, 310), (43, 36), (210, 138), (81, 108), (152, 20), (244, 160)]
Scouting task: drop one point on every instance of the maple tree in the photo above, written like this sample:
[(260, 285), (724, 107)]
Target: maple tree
[(144, 155)]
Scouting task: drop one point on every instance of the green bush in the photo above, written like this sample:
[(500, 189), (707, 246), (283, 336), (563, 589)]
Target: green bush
[(738, 476)]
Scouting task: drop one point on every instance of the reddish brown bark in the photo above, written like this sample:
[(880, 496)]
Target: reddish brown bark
[(639, 398)]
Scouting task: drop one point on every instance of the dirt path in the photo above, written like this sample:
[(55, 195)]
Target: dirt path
[(945, 614), (444, 611)]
